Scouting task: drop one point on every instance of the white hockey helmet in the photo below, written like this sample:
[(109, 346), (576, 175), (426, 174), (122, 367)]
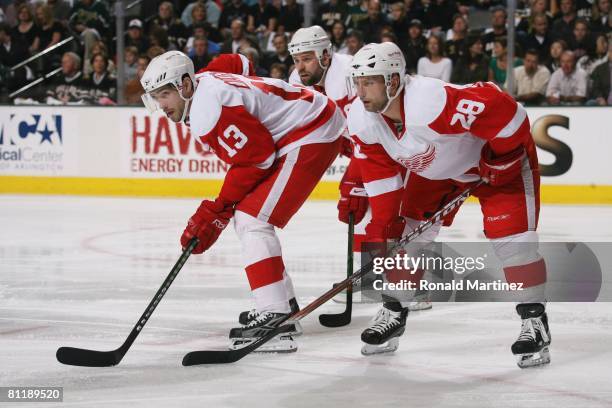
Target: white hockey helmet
[(383, 59), (167, 69), (312, 38)]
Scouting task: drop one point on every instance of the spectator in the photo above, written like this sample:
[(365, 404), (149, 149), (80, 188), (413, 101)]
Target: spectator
[(234, 10), (60, 9), (568, 84), (399, 22), (213, 12), (11, 53), (11, 12), (176, 31), (338, 38), (414, 10), (455, 38), (358, 12), (556, 49), (133, 88), (537, 7), (388, 36), (539, 37), (130, 63), (198, 14), (434, 64), (238, 36), (329, 13), (414, 49), (154, 51), (135, 37), (281, 54), (90, 19), (372, 25), (200, 57), (354, 42), (26, 32), (291, 16), (596, 54), (530, 80), (600, 21), (580, 40), (601, 92), (278, 71), (262, 18), (563, 25), (474, 65), (68, 86), (101, 85), (497, 30), (158, 37), (203, 30), (51, 31), (253, 56), (499, 63), (439, 15), (99, 47)]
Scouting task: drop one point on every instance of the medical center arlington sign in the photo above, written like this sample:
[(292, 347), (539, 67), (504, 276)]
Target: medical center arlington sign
[(37, 142)]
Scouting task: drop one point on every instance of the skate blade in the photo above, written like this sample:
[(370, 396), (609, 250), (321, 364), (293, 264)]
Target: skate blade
[(280, 344), (417, 306), (388, 347), (534, 359)]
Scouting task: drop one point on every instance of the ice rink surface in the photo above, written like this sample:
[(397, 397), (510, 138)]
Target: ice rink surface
[(80, 271)]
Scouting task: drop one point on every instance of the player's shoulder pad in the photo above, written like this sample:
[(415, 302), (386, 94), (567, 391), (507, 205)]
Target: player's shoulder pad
[(424, 100), (361, 123), (210, 96)]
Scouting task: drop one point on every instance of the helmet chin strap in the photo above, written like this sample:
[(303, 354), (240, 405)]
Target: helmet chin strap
[(187, 105), (391, 98)]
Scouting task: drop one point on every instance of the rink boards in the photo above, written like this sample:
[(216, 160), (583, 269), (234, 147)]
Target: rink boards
[(124, 151)]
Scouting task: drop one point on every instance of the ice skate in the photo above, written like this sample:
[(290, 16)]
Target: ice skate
[(531, 347), (295, 329), (258, 327), (383, 334)]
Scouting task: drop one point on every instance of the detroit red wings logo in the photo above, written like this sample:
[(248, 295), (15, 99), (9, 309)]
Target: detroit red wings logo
[(420, 161)]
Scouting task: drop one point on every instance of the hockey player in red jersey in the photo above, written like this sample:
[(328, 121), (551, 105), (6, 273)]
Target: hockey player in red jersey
[(278, 139), (419, 142)]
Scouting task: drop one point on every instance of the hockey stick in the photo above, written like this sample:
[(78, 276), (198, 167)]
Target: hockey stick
[(93, 358), (344, 318), (231, 356)]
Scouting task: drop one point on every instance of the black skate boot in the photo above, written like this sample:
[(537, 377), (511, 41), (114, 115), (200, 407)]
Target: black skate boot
[(296, 329), (383, 334), (259, 327), (531, 347)]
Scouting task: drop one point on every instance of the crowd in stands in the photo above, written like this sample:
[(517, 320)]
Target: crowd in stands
[(563, 52)]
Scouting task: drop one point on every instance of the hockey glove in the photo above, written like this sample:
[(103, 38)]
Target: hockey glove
[(353, 197), (206, 224), (503, 169)]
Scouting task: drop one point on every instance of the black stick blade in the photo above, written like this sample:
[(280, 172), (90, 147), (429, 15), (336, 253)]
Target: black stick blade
[(87, 358), (211, 357), (335, 320)]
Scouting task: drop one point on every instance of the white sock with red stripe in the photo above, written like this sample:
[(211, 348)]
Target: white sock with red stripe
[(265, 268)]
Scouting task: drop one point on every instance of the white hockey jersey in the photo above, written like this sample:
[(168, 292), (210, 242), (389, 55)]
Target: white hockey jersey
[(249, 122), (444, 129), (337, 84)]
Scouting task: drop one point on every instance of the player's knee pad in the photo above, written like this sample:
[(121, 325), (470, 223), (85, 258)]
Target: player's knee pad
[(517, 249), (428, 235), (520, 259), (258, 238)]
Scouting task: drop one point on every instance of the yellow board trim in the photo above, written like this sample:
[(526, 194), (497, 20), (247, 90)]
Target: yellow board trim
[(325, 190)]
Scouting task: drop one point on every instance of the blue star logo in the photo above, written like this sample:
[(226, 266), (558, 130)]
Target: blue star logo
[(45, 135)]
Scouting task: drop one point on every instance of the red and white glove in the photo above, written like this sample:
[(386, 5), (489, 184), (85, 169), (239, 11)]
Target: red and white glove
[(500, 170), (209, 220), (353, 196)]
